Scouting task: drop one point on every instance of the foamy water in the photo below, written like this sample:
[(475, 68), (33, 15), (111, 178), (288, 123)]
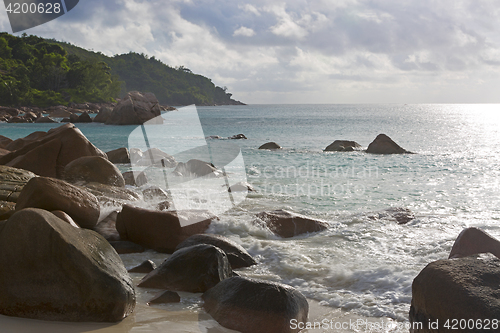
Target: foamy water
[(360, 265)]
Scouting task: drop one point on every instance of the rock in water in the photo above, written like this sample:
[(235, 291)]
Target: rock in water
[(270, 146), (161, 231), (54, 194), (53, 271), (93, 169), (135, 109), (456, 289), (120, 155), (238, 257), (287, 224), (165, 297), (343, 145), (253, 306), (193, 269), (384, 145)]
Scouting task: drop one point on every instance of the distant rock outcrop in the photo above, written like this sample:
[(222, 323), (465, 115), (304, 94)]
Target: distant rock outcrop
[(384, 145), (270, 146), (134, 109), (463, 290), (343, 145)]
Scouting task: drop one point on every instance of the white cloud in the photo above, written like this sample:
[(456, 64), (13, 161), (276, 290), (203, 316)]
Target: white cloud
[(244, 31)]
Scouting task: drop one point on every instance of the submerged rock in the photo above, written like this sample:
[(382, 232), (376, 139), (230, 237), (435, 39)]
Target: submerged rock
[(241, 187), (238, 257), (60, 273), (196, 168), (193, 269), (54, 194), (288, 224), (384, 145), (343, 145), (459, 289), (400, 214), (254, 306), (270, 146), (161, 231)]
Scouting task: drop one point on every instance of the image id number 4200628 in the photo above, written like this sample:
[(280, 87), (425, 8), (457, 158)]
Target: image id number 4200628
[(32, 8)]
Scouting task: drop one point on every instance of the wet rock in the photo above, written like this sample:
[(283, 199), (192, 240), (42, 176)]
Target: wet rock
[(61, 273), (93, 169), (384, 145), (154, 194), (152, 157), (238, 257), (270, 146), (237, 137), (107, 227), (343, 145), (161, 231), (196, 168), (287, 224), (50, 152), (399, 214), (164, 205), (193, 269), (456, 289), (119, 156), (146, 266), (241, 187), (254, 306), (134, 109), (12, 181), (165, 298), (107, 193), (54, 194), (129, 178)]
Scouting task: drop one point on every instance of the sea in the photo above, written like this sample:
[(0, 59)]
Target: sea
[(363, 265)]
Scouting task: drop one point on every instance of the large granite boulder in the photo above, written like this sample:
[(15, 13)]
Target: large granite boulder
[(464, 290), (21, 142), (384, 145), (288, 224), (54, 194), (254, 306), (4, 141), (53, 271), (12, 181), (161, 231), (343, 145), (193, 269), (46, 154), (270, 146), (111, 195), (134, 109), (238, 257), (96, 169)]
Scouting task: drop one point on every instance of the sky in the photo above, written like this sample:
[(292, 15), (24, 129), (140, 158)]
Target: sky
[(324, 51)]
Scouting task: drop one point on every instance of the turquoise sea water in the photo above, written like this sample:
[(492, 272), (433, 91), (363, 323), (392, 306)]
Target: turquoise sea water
[(359, 264)]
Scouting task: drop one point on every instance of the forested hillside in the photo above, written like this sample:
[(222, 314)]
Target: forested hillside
[(36, 71)]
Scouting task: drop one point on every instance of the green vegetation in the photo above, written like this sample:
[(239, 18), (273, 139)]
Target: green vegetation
[(36, 71)]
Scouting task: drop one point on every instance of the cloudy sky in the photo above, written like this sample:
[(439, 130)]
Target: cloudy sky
[(323, 51)]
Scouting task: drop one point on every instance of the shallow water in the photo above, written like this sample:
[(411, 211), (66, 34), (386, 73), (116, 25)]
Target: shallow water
[(359, 266)]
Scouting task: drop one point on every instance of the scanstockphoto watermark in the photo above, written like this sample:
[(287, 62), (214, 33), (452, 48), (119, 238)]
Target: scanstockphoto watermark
[(357, 325), (309, 171)]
